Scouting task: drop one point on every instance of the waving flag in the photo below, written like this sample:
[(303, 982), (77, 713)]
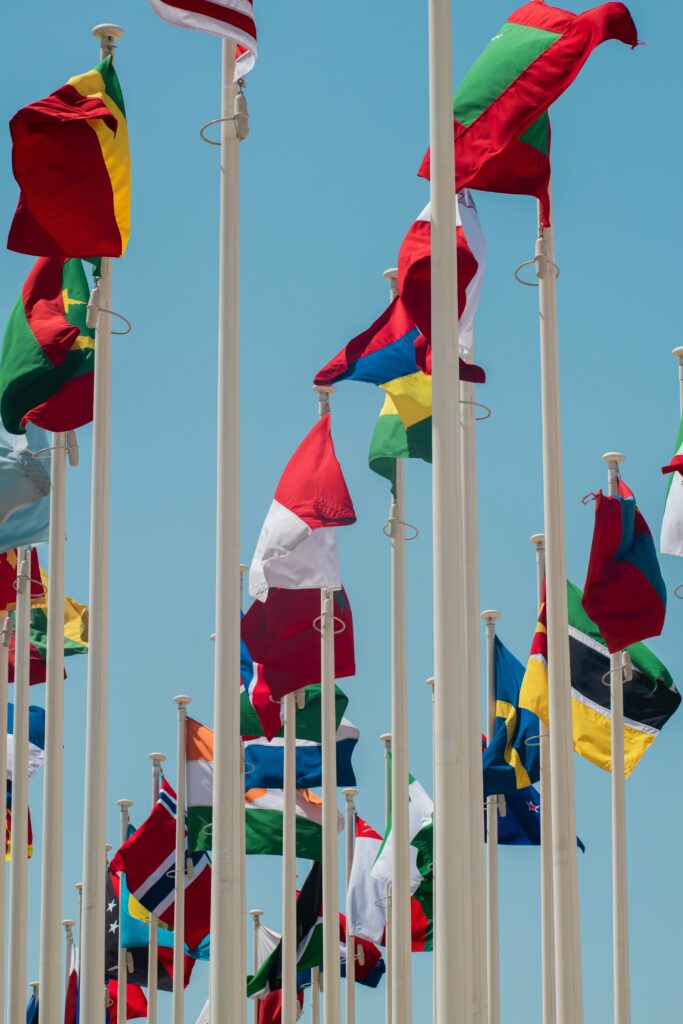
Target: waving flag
[(71, 160), (264, 816), (500, 110), (71, 999), (520, 824), (24, 488), (512, 757), (231, 19), (264, 760), (420, 828), (136, 1002), (36, 740), (404, 427), (8, 827), (308, 717), (32, 1010), (671, 538)]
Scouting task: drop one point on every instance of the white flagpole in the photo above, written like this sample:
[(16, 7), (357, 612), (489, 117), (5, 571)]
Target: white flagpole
[(386, 740), (153, 955), (227, 970), (430, 684), (547, 909), (122, 972), (242, 827), (97, 708), (349, 795), (53, 789), (677, 353), (4, 674), (490, 617), (180, 869), (568, 983), (256, 921), (79, 889), (69, 945), (622, 982), (18, 890), (454, 841), (289, 995)]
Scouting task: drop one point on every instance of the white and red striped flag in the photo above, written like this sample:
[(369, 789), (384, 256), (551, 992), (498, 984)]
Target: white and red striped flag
[(231, 19)]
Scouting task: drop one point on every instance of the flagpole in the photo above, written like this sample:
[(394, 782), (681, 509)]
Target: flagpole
[(153, 954), (18, 890), (242, 828), (53, 790), (95, 801), (226, 985), (490, 617), (349, 795), (568, 983), (4, 676), (547, 909), (622, 983), (180, 869), (677, 353), (430, 684), (386, 740), (289, 944), (454, 842), (122, 973), (256, 922)]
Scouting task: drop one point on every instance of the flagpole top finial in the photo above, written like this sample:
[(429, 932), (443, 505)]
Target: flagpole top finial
[(537, 539), (677, 352), (124, 804), (490, 615), (324, 389), (430, 682), (613, 457), (256, 913), (79, 886), (350, 793), (68, 923), (385, 738), (155, 757), (108, 31), (107, 849), (391, 274), (182, 700), (243, 569)]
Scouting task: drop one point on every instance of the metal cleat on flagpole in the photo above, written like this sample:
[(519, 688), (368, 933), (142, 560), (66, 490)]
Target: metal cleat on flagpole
[(239, 119)]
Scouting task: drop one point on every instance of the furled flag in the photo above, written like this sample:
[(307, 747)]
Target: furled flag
[(366, 899), (71, 999), (415, 272), (282, 638), (512, 758), (47, 362), (650, 698), (297, 547), (148, 859), (671, 537), (136, 1002), (32, 1009), (231, 19), (624, 593), (264, 816), (36, 740), (264, 760), (500, 110), (24, 487), (75, 629), (420, 830), (71, 161)]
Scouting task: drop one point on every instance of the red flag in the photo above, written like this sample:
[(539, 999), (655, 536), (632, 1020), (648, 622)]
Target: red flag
[(270, 1007), (136, 1002)]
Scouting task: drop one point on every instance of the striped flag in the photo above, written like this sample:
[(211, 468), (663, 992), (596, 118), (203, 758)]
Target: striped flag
[(231, 19)]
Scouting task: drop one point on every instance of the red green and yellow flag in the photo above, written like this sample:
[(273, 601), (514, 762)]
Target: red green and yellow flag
[(47, 361), (404, 427), (71, 160)]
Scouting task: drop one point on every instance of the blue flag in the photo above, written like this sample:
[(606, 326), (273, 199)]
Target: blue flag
[(512, 757), (32, 1010), (24, 488), (521, 824)]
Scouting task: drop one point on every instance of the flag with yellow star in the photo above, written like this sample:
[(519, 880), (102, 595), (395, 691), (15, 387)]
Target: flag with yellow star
[(47, 361)]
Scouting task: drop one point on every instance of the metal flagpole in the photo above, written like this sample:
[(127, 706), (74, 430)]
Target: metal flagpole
[(227, 970), (677, 353), (69, 945), (568, 984), (53, 790), (153, 954), (4, 674), (94, 808), (180, 868), (79, 889), (490, 617), (386, 740), (256, 920), (122, 973), (289, 944), (430, 684), (454, 841), (18, 891), (242, 827), (622, 983), (547, 909), (349, 795)]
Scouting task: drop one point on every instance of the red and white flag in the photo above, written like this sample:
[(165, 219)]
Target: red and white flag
[(297, 547), (231, 19), (71, 998), (415, 269)]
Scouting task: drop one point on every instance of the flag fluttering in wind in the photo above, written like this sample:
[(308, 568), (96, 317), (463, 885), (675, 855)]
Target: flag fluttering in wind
[(231, 19), (420, 830), (512, 757), (71, 999), (264, 760), (521, 823), (404, 427), (8, 579), (24, 488), (8, 828), (500, 110), (671, 538), (624, 593), (36, 740), (264, 821), (71, 160), (136, 1002), (297, 547), (47, 362), (650, 698), (280, 636), (32, 1010)]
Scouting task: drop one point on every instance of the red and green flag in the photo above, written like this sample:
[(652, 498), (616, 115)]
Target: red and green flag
[(47, 361), (500, 110), (71, 161)]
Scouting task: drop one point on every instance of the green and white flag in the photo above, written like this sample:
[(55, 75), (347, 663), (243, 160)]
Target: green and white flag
[(421, 832), (264, 817), (671, 538)]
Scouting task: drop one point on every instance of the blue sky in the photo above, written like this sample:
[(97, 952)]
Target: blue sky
[(328, 189)]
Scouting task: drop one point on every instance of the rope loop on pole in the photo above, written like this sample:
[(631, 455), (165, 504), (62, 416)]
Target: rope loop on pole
[(677, 592), (533, 741), (119, 316), (533, 263), (625, 670), (478, 405), (239, 119), (387, 530), (317, 625), (587, 498)]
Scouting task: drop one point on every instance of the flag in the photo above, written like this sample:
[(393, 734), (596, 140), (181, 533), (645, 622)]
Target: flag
[(270, 1008), (520, 824), (36, 740), (282, 638), (136, 1002), (415, 271), (71, 999), (32, 1010), (404, 427), (671, 537), (8, 579), (231, 19), (369, 966), (420, 830), (75, 628), (8, 828), (71, 161), (512, 757), (148, 859), (650, 698), (297, 546), (47, 363), (264, 760), (500, 110), (624, 593), (24, 488), (264, 815)]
